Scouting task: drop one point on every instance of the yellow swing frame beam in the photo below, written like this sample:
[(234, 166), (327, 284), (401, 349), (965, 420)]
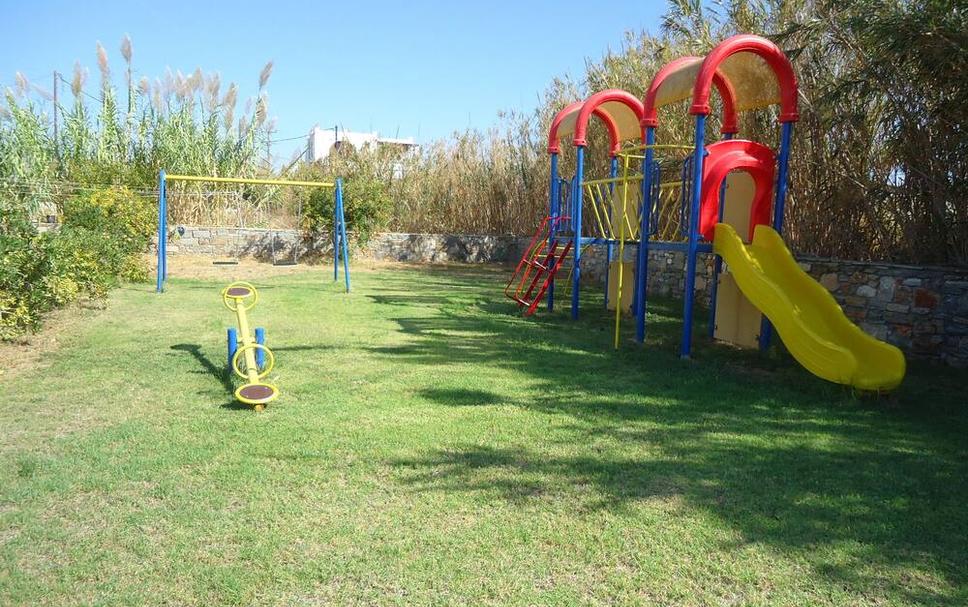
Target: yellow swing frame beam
[(253, 181)]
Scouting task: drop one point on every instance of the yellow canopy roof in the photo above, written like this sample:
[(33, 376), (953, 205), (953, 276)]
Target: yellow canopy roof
[(625, 119), (753, 81)]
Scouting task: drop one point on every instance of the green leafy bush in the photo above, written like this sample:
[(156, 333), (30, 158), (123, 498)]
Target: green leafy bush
[(105, 232), (366, 205), (101, 241), (24, 295)]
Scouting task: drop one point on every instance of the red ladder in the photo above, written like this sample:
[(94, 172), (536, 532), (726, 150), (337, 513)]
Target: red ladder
[(537, 268)]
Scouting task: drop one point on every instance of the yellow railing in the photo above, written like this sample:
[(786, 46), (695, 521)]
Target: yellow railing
[(655, 146)]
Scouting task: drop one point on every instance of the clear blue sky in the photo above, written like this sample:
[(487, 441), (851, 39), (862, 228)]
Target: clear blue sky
[(419, 68)]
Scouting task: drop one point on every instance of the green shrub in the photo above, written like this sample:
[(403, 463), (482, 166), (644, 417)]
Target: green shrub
[(107, 231), (24, 265), (366, 206), (101, 241)]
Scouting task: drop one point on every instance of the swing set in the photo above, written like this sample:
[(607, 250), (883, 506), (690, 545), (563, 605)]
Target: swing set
[(339, 239)]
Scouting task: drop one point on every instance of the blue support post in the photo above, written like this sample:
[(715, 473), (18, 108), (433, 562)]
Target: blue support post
[(718, 261), (609, 247), (779, 204), (164, 259), (689, 296), (335, 237), (342, 228), (642, 265), (162, 270), (232, 339), (260, 354), (553, 212), (783, 161), (576, 230), (340, 244)]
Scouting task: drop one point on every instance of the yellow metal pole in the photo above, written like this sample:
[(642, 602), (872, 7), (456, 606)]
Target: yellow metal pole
[(598, 218), (621, 250), (609, 180), (251, 368), (311, 184)]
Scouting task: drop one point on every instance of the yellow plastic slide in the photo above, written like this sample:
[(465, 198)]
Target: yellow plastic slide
[(813, 327)]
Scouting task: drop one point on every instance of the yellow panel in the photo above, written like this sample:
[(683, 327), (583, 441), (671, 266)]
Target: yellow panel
[(812, 325), (753, 80), (628, 288), (740, 188), (566, 128), (737, 320), (625, 119), (679, 84)]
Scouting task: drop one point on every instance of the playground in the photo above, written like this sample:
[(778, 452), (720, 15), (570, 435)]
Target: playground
[(334, 430), (430, 445)]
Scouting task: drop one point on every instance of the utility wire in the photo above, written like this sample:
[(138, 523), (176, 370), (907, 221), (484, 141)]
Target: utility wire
[(35, 186), (288, 139), (83, 92)]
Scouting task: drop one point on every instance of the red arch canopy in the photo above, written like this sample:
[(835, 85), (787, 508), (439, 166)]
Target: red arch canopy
[(778, 62), (554, 145), (725, 88), (612, 97)]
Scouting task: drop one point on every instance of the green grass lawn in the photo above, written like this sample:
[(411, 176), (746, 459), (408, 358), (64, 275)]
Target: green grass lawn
[(432, 447)]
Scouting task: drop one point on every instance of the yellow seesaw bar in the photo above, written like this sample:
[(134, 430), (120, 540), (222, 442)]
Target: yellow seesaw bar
[(241, 297)]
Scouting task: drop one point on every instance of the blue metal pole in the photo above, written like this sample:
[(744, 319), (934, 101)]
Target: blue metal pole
[(642, 265), (609, 247), (164, 259), (689, 296), (718, 261), (553, 212), (779, 204), (232, 337), (336, 236), (342, 227), (783, 162), (576, 230), (260, 354), (162, 230)]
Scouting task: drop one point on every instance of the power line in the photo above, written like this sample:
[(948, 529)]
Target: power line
[(83, 92), (288, 139), (37, 186)]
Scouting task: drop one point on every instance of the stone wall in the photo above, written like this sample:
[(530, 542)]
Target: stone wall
[(922, 310), (259, 243), (437, 248), (419, 248), (666, 270)]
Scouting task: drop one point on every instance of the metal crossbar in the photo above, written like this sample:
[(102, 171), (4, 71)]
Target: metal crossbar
[(208, 179)]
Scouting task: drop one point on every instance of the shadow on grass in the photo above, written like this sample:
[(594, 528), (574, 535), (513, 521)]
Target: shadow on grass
[(220, 373), (780, 456), (463, 398)]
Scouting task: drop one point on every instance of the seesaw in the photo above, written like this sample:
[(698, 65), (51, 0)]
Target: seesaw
[(248, 357)]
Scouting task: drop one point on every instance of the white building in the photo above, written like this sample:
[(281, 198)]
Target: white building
[(322, 141)]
